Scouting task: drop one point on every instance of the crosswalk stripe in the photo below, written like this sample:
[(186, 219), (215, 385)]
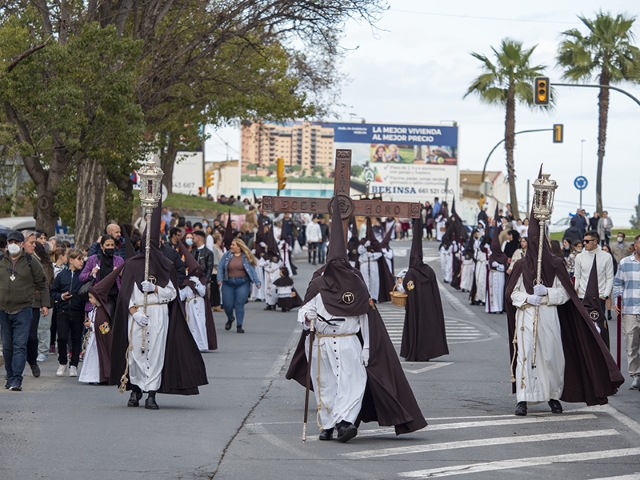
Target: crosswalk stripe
[(429, 367), (482, 442), (633, 476), (487, 423), (520, 463)]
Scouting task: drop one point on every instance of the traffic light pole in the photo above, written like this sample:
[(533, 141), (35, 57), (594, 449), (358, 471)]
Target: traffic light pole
[(581, 85)]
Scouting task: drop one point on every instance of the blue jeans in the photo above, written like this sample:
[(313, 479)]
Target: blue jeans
[(15, 333), (235, 292)]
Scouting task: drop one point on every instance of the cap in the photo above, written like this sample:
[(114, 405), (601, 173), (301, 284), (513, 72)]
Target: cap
[(15, 236)]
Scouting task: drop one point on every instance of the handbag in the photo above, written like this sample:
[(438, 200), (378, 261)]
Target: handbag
[(83, 292)]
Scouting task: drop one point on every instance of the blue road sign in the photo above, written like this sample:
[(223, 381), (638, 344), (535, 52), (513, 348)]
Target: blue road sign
[(580, 182)]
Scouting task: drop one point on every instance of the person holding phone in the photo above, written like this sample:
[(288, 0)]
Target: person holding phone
[(70, 310)]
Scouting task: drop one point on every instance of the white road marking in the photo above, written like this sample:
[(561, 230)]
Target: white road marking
[(633, 476), (481, 442), (520, 463), (455, 303), (429, 367), (487, 423)]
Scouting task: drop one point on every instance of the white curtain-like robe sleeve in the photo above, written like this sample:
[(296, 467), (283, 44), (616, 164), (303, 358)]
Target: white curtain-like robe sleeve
[(184, 293), (519, 294), (201, 289), (364, 329), (556, 295), (388, 253), (166, 294), (375, 255), (308, 310)]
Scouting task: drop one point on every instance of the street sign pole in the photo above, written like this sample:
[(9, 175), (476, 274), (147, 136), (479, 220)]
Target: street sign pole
[(580, 183)]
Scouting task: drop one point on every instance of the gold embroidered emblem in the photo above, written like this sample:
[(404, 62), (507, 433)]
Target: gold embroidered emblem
[(348, 298), (594, 315), (410, 285)]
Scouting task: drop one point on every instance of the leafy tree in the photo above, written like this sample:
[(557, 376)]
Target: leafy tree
[(252, 167), (356, 170), (503, 83), (606, 52)]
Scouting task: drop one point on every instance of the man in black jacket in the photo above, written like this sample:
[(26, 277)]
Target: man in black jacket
[(202, 254)]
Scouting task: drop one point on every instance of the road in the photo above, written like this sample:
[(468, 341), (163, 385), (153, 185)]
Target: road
[(247, 422)]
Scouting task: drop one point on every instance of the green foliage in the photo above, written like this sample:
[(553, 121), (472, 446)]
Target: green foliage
[(272, 168), (295, 168), (252, 167), (181, 201), (356, 170)]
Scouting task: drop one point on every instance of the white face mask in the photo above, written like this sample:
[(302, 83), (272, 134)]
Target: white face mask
[(205, 224), (13, 249), (620, 239)]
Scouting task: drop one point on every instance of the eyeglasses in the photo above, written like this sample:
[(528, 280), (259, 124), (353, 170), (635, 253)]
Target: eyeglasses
[(587, 241)]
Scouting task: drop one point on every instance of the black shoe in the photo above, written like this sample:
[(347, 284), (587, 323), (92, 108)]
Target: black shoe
[(150, 402), (15, 388), (134, 399), (347, 433), (521, 409), (227, 326), (268, 307), (326, 434), (555, 405), (240, 330), (35, 370)]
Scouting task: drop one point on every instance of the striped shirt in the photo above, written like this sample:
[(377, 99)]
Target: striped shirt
[(627, 285)]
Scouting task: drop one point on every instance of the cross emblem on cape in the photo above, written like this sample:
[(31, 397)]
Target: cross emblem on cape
[(341, 192)]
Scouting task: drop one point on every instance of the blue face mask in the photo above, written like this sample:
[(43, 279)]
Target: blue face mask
[(189, 241)]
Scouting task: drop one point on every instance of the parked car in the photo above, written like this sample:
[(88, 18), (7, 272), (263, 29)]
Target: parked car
[(561, 225), (18, 223)]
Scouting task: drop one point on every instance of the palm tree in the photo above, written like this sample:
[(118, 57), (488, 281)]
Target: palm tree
[(502, 83), (606, 52)]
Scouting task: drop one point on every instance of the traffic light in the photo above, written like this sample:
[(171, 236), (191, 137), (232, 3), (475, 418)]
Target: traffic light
[(201, 190), (209, 179), (282, 180), (558, 133), (541, 91)]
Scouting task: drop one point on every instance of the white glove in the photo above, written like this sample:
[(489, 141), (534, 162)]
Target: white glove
[(540, 290), (534, 300), (141, 319), (148, 287), (263, 245), (495, 264), (367, 243), (195, 280), (365, 357), (500, 268)]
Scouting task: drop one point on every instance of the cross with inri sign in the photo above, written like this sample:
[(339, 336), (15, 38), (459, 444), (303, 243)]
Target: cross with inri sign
[(341, 191)]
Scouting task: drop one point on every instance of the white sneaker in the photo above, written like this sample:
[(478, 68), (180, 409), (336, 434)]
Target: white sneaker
[(61, 370), (41, 358), (73, 371), (635, 383)]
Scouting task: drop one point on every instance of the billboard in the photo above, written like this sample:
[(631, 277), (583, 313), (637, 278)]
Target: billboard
[(402, 162)]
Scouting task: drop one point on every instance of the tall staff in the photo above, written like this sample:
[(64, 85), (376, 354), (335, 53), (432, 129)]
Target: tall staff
[(312, 333), (544, 192)]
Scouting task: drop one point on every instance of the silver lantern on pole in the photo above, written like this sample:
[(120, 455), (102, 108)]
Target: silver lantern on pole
[(544, 192), (150, 193)]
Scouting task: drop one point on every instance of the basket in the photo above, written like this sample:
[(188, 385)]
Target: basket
[(397, 298)]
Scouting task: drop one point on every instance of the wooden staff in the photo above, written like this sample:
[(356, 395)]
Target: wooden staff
[(306, 397)]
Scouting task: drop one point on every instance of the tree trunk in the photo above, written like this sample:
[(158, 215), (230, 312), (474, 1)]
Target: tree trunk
[(167, 161), (91, 210), (509, 146), (44, 212), (603, 113)]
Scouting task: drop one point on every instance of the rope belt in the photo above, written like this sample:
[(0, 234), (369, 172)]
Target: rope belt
[(149, 305), (318, 382), (186, 310)]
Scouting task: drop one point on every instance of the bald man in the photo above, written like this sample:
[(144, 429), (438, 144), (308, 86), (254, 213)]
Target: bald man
[(112, 229)]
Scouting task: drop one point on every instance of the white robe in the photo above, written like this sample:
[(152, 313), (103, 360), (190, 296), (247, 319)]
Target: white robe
[(271, 274), (481, 275), (446, 262), (196, 316), (546, 381), (145, 369), (369, 268), (343, 377), (388, 257), (259, 293), (441, 227), (90, 372), (495, 295), (466, 278)]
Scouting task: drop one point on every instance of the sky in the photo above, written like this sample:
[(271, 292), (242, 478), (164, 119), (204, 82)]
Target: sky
[(415, 67)]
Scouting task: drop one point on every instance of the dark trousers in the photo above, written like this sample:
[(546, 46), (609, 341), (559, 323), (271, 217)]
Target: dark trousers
[(313, 251), (214, 294), (322, 252), (70, 325), (32, 342), (54, 326)]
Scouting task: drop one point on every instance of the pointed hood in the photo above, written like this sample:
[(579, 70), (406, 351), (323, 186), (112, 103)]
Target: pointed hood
[(128, 246), (101, 289), (375, 244), (273, 252), (193, 267), (159, 266), (387, 237), (261, 237), (343, 291), (423, 271), (228, 233), (461, 231), (497, 255), (592, 295)]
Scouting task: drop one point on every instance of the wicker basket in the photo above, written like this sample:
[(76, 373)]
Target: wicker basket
[(397, 298)]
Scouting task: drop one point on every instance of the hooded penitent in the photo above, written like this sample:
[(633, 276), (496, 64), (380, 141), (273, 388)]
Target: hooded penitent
[(183, 369), (261, 237), (593, 304), (388, 398), (353, 243), (590, 373), (228, 234), (461, 231), (424, 336), (272, 252), (497, 255), (386, 277), (195, 270)]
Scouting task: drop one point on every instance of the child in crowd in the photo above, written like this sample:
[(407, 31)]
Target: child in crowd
[(288, 298), (90, 372)]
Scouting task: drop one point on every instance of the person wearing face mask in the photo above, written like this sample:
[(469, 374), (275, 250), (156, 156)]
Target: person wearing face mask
[(21, 279), (100, 265), (619, 249)]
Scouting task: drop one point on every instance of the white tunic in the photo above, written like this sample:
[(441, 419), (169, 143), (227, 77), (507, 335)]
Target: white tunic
[(90, 372), (446, 262), (481, 275), (441, 227), (388, 256), (258, 293), (495, 295), (196, 316), (145, 369), (466, 278), (546, 381), (369, 268), (343, 377), (271, 274)]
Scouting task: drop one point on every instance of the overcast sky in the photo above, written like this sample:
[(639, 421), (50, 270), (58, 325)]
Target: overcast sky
[(416, 67)]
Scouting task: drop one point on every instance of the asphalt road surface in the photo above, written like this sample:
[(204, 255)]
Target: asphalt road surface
[(247, 423)]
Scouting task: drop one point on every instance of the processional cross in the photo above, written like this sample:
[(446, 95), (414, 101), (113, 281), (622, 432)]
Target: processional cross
[(341, 193)]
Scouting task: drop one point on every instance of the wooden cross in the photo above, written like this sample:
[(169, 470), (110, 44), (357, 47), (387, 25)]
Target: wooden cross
[(341, 192)]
